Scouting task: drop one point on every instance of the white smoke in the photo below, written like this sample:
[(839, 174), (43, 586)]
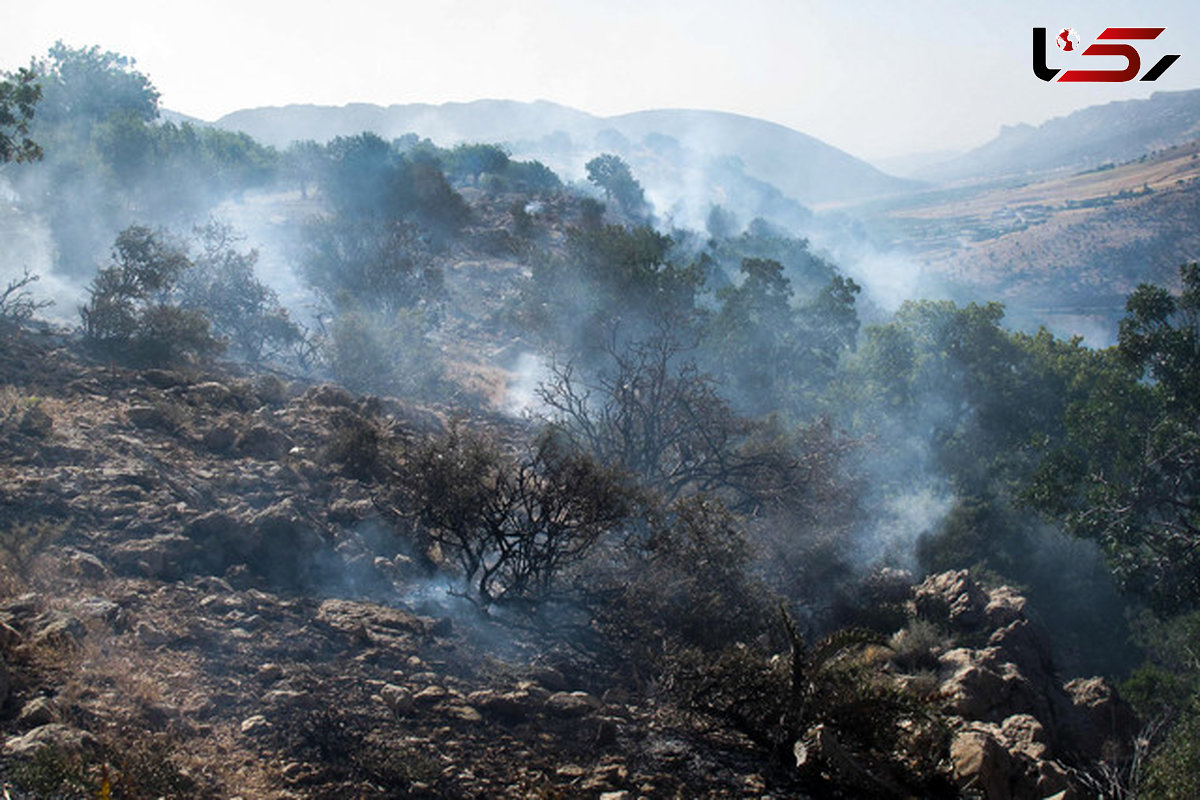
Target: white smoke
[(27, 246), (900, 520), (521, 395)]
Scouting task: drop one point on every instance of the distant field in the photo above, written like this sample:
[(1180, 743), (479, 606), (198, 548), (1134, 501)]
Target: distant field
[(1062, 249)]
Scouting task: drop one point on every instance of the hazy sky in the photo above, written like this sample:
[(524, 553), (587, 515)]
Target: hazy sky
[(874, 77)]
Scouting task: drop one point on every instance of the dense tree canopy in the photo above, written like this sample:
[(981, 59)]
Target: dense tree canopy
[(84, 86), (1128, 473)]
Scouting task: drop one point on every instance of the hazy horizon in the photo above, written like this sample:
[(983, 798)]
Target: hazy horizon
[(944, 77)]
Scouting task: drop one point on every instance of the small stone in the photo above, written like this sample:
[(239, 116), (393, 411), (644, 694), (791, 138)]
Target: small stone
[(219, 439), (99, 608), (397, 698), (270, 672), (288, 697), (63, 738), (551, 678), (209, 393), (430, 695), (61, 632), (510, 705), (149, 635), (465, 713), (85, 565), (150, 417), (38, 711), (255, 725), (571, 704)]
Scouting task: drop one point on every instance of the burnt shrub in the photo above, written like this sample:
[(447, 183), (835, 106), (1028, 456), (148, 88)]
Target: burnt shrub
[(512, 519), (821, 707), (351, 747), (360, 446), (682, 582)]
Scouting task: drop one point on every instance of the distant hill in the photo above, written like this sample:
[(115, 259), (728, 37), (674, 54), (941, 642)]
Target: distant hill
[(167, 115), (1062, 249), (671, 148), (1092, 136), (913, 164)]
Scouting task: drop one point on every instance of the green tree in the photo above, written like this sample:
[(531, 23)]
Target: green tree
[(84, 86), (613, 175), (1128, 474), (304, 162), (369, 264), (244, 312), (19, 94), (471, 161), (778, 355), (531, 177)]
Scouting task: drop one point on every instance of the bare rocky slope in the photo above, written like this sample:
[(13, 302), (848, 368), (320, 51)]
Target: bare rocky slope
[(200, 599)]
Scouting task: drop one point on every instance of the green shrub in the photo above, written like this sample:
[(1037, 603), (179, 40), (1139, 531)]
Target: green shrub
[(685, 584), (383, 353), (824, 708), (918, 644), (130, 313), (243, 312), (137, 766), (1173, 773), (52, 772)]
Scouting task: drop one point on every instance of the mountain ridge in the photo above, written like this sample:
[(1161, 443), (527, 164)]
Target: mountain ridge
[(1088, 137), (801, 166)]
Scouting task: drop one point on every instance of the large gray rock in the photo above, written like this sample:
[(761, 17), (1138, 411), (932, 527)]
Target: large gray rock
[(64, 738), (571, 704), (1102, 724), (982, 763), (265, 443), (1015, 719), (372, 623), (952, 598), (166, 556)]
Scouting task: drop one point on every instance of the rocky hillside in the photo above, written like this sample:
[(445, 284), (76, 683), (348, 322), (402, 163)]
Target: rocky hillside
[(207, 595)]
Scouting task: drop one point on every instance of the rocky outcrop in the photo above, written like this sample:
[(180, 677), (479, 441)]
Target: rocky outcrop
[(1017, 729)]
